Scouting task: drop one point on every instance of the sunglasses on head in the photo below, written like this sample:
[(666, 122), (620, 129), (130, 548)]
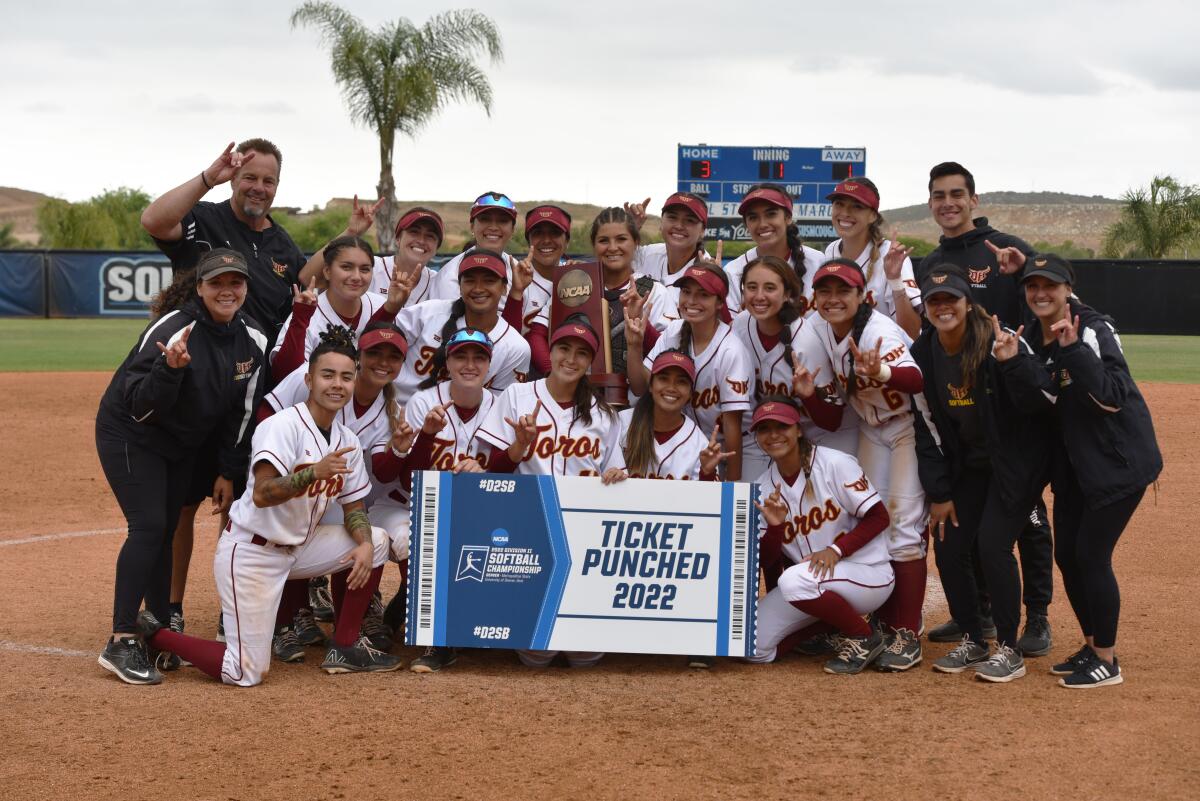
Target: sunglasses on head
[(474, 336), (495, 199)]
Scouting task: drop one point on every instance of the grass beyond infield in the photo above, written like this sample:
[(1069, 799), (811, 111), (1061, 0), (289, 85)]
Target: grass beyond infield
[(34, 344)]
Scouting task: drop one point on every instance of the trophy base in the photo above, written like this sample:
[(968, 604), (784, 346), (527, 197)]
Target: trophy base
[(613, 387)]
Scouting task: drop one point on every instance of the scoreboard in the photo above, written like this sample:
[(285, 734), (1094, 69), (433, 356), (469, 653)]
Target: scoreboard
[(723, 175)]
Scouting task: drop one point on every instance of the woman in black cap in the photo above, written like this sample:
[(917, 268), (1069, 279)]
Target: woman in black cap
[(196, 371), (983, 463), (1108, 456)]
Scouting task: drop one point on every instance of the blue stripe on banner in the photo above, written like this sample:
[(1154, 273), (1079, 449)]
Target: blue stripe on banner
[(726, 569), (445, 566), (634, 617), (414, 561), (642, 512), (561, 552)]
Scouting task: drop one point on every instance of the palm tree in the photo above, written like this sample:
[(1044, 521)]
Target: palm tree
[(398, 77), (1155, 221)]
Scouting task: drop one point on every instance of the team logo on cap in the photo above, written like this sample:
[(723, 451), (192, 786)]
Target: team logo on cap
[(849, 186), (580, 330), (545, 214), (385, 335), (939, 279), (979, 276), (770, 407), (228, 259), (574, 288), (480, 260), (833, 268)]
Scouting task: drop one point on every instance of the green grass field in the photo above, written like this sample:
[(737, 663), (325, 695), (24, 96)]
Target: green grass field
[(56, 345)]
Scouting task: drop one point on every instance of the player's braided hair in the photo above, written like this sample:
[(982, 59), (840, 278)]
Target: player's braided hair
[(640, 456), (585, 393), (458, 311), (792, 291), (334, 339), (860, 323), (685, 331), (615, 214), (794, 242), (391, 406), (977, 340)]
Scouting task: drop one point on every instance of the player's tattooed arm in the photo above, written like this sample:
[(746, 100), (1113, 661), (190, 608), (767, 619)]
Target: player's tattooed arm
[(356, 521), (272, 489)]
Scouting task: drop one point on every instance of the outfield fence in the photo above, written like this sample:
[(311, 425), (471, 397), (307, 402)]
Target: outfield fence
[(1144, 296)]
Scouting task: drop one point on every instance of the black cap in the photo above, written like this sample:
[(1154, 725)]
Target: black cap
[(221, 260), (947, 282), (1051, 266)]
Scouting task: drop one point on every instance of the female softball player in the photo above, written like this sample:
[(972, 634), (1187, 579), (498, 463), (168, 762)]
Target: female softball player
[(419, 233), (766, 211), (557, 425), (825, 518), (891, 286), (349, 262), (684, 216), (195, 371), (303, 460), (493, 220), (429, 325), (547, 230), (723, 373), (1107, 457), (876, 376), (372, 415), (983, 462)]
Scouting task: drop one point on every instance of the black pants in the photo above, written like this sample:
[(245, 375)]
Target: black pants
[(1036, 548), (1084, 545), (990, 526), (151, 491)]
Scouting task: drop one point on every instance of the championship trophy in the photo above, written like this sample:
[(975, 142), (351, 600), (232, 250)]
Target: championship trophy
[(579, 289)]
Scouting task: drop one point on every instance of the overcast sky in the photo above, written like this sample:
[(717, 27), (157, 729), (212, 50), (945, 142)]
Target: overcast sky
[(592, 99)]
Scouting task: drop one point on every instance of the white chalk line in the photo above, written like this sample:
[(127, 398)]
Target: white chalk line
[(66, 535), (49, 650)]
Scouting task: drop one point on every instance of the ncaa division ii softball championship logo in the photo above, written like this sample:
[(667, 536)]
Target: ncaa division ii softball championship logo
[(497, 562)]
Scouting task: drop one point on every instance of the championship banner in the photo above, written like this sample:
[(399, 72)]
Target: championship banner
[(566, 563)]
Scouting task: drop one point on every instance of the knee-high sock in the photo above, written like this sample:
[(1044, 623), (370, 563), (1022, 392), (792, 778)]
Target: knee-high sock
[(208, 655), (837, 611), (295, 595), (902, 610), (352, 608), (337, 591)]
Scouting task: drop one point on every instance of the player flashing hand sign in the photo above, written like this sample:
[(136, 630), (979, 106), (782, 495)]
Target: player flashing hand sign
[(177, 354)]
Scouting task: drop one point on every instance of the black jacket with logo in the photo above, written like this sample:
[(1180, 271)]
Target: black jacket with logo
[(1000, 294), (1105, 425), (173, 411), (1018, 431)]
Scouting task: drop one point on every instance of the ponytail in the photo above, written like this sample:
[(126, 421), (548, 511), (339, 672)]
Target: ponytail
[(640, 456), (860, 323), (437, 373), (796, 249)]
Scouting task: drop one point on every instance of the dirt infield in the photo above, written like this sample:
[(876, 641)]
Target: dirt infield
[(635, 727)]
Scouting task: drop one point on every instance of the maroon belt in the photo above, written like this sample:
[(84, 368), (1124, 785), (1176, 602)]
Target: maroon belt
[(260, 540)]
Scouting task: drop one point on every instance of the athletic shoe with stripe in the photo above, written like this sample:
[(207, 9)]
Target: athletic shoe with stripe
[(126, 657), (821, 645), (964, 655), (373, 628), (285, 646), (1072, 662), (359, 658), (175, 624), (1004, 665), (319, 599), (1095, 672), (307, 630), (903, 651), (855, 653)]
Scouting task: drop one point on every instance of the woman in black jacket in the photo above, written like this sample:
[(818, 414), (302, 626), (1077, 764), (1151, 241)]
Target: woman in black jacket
[(1108, 456), (196, 371), (983, 464)]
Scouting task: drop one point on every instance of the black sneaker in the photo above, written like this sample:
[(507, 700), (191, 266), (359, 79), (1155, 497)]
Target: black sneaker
[(320, 600), (307, 631), (126, 657), (220, 627), (903, 651), (855, 653), (359, 658), (821, 645), (378, 633), (950, 632), (1035, 640), (434, 659), (176, 624), (1072, 662), (701, 662), (395, 611), (285, 646), (1092, 673)]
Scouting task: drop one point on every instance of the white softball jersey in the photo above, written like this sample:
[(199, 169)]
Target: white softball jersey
[(723, 373), (878, 293), (422, 327), (537, 296), (813, 259), (565, 444), (678, 457), (872, 401), (381, 279), (325, 317), (454, 443)]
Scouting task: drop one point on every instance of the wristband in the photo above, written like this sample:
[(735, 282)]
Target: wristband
[(885, 372), (896, 284), (204, 180)]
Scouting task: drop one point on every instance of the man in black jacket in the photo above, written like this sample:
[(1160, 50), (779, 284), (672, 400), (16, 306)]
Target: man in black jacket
[(993, 261)]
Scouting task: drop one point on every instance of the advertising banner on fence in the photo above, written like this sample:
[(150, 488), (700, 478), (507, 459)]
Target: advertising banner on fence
[(566, 563), (106, 284), (22, 284)]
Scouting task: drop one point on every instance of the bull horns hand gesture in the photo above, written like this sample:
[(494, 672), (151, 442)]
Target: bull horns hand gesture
[(176, 353)]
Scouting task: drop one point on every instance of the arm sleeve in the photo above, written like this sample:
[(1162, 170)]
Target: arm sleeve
[(539, 347), (874, 521), (906, 379), (288, 353), (386, 465), (151, 387), (499, 462), (513, 311), (770, 547)]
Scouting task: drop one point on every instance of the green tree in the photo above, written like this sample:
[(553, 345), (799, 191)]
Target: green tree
[(315, 229), (399, 76), (108, 221), (8, 241), (1154, 221), (1067, 249)]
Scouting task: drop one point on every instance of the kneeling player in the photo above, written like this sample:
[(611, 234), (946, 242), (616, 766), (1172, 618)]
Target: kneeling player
[(825, 517), (303, 458)]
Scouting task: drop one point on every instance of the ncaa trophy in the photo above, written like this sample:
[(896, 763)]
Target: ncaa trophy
[(579, 289)]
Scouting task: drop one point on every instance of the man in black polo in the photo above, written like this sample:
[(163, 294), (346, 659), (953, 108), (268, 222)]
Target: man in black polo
[(184, 226), (993, 261)]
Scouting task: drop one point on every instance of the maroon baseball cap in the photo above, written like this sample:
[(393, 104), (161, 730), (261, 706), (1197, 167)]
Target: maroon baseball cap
[(414, 216), (774, 410), (708, 280), (771, 195), (382, 336), (856, 190), (845, 270), (692, 204), (548, 214), (674, 358), (580, 332), (483, 260)]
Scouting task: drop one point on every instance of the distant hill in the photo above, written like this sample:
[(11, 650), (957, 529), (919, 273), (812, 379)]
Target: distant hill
[(19, 207)]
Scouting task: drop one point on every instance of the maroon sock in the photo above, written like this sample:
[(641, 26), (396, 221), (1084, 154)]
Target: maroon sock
[(837, 611), (295, 595), (353, 607), (208, 655), (903, 607), (807, 633), (337, 591)]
